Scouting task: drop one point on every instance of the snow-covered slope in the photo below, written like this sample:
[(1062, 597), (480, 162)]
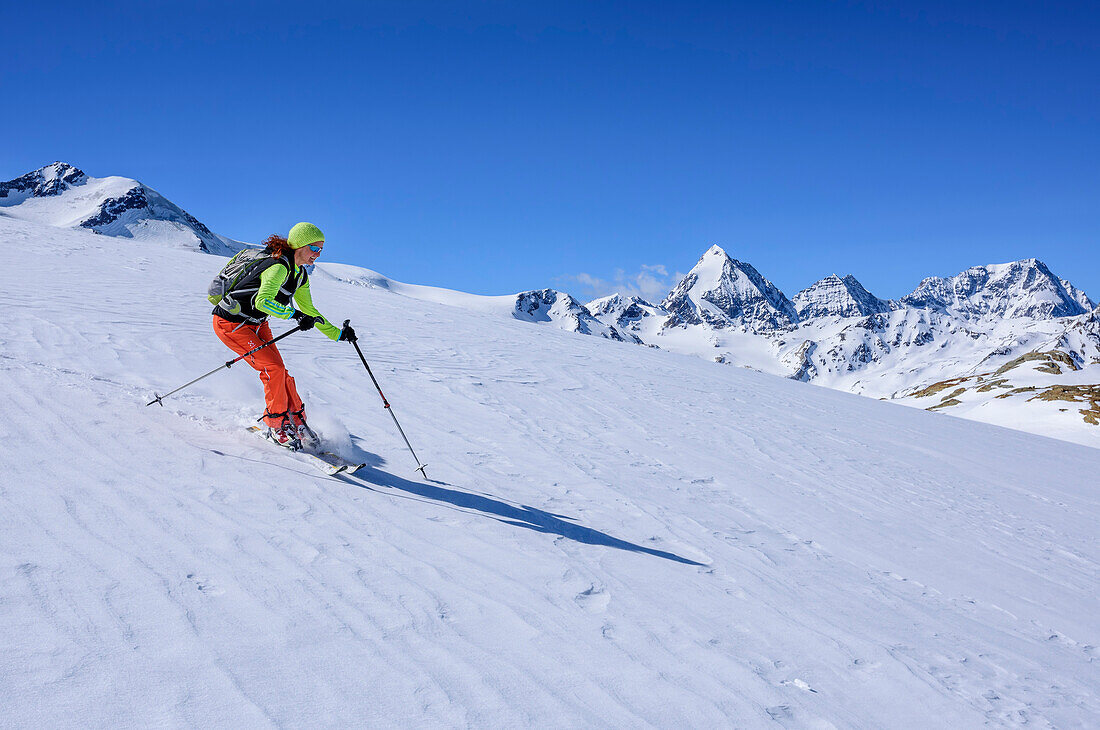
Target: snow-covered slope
[(895, 354), (614, 535), (62, 195), (1037, 388), (544, 306)]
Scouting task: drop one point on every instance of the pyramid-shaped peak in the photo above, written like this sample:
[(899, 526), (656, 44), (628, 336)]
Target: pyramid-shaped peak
[(715, 265), (838, 297), (721, 291), (836, 280)]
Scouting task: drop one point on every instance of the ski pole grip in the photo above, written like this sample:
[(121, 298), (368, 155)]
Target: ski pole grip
[(347, 322)]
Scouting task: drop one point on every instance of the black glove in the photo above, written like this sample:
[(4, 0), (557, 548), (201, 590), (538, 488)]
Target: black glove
[(347, 334), (306, 321)]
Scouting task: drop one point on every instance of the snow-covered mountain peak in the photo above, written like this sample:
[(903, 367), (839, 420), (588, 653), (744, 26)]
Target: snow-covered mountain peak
[(62, 195), (630, 315), (714, 264), (1024, 288), (617, 304), (549, 305), (722, 292), (839, 297), (51, 180)]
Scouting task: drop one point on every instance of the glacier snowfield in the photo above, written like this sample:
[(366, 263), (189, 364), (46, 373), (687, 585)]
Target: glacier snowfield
[(611, 536)]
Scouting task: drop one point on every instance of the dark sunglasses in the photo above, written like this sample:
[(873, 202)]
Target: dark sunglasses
[(314, 248)]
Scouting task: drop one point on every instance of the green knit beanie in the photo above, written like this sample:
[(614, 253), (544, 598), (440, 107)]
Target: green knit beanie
[(303, 234)]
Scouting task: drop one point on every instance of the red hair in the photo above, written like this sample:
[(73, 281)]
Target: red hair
[(277, 246)]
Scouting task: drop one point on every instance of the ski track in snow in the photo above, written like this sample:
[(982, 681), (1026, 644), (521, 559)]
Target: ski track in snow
[(613, 536)]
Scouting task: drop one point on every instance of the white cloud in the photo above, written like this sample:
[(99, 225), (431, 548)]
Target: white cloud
[(651, 282)]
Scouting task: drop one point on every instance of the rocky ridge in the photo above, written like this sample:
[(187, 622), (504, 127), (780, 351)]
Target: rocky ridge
[(1019, 289), (51, 180)]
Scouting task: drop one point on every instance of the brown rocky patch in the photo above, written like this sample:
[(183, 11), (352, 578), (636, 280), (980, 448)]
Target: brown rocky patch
[(1015, 391), (937, 387), (1089, 394), (999, 383), (1052, 357)]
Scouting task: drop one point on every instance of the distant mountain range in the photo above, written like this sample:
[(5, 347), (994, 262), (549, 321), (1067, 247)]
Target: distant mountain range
[(1008, 343), (1014, 343)]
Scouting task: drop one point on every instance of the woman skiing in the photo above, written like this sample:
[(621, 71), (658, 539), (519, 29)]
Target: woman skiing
[(278, 286)]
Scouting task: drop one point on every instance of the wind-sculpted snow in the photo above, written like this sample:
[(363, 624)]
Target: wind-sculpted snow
[(614, 536)]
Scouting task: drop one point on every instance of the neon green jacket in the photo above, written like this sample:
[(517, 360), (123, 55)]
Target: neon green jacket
[(271, 281)]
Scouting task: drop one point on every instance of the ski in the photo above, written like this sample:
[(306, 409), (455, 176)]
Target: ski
[(340, 464), (328, 462)]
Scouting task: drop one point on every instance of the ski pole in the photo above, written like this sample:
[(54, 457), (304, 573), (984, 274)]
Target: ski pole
[(386, 404), (160, 398)]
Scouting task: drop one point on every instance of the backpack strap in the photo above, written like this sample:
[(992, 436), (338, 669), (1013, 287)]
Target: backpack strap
[(295, 280)]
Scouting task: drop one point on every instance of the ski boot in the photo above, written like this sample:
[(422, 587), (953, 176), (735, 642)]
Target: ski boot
[(305, 435), (286, 435)]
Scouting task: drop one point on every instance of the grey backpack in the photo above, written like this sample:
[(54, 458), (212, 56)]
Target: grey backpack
[(246, 265)]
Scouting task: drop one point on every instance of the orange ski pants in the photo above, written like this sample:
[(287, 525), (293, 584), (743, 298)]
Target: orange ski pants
[(279, 391)]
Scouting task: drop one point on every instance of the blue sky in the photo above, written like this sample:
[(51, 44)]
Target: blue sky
[(496, 147)]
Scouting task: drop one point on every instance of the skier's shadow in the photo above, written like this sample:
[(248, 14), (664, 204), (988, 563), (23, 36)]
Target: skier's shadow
[(519, 515)]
